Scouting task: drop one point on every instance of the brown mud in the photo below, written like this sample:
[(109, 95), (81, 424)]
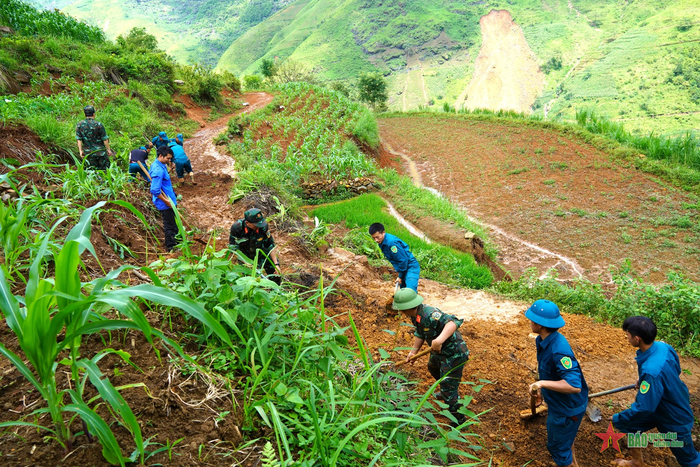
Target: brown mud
[(496, 332), (550, 201)]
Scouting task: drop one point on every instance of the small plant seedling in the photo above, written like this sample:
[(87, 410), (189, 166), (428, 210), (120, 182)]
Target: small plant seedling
[(549, 182), (687, 371)]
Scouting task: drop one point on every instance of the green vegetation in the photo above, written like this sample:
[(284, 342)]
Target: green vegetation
[(437, 262), (29, 21), (372, 90), (313, 122), (674, 306)]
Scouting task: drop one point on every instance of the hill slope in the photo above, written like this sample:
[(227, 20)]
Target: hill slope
[(616, 57), (193, 31)]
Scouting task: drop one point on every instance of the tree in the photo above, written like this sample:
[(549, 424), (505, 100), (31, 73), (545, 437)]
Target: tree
[(372, 88), (268, 68), (138, 39), (290, 71)]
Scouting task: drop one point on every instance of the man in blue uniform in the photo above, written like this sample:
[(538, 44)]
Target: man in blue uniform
[(163, 194), (399, 255), (663, 400), (179, 139), (160, 140), (449, 351), (182, 162), (561, 383), (136, 156)]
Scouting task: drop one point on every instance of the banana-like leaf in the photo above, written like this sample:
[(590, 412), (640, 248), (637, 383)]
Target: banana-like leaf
[(67, 278), (167, 297), (110, 448), (84, 227), (10, 308), (32, 425), (132, 208), (34, 273), (115, 400), (24, 369)]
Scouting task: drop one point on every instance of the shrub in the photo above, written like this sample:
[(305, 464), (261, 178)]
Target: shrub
[(252, 82), (366, 131), (230, 81), (29, 21), (202, 83)]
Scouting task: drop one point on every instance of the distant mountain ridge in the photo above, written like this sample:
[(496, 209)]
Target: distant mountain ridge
[(615, 57)]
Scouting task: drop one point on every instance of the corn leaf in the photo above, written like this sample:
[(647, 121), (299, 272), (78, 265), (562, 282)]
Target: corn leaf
[(110, 448)]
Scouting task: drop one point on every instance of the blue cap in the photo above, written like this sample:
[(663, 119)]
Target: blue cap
[(143, 148), (179, 136), (163, 134), (545, 313)]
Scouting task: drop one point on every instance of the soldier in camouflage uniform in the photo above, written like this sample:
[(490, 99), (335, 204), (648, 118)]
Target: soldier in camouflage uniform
[(252, 234), (93, 141), (449, 351)]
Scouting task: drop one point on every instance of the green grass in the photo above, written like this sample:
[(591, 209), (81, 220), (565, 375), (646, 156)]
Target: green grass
[(437, 262)]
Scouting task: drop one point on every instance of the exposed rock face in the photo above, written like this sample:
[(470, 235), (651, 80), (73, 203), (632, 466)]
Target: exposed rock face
[(506, 73)]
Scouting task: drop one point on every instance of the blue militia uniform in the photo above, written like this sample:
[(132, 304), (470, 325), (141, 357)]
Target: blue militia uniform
[(157, 142), (556, 361), (400, 256), (662, 401), (160, 182), (182, 162)]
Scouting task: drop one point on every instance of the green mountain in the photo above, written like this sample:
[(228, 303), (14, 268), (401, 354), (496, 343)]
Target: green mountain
[(192, 31), (615, 57), (622, 59)]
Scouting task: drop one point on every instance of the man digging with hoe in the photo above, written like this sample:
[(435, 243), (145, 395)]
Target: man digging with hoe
[(449, 352)]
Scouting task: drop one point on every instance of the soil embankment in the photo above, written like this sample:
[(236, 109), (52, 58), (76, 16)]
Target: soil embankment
[(506, 74)]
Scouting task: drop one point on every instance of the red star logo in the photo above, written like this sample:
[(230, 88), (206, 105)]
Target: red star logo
[(608, 437)]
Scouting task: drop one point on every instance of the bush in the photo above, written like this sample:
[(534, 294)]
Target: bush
[(202, 83), (252, 82), (366, 131), (674, 307), (230, 81)]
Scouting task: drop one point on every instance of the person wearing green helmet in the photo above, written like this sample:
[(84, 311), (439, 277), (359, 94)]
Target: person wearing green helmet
[(252, 233), (561, 384), (449, 351)]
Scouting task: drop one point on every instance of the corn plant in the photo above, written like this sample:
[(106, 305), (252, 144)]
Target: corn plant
[(64, 305)]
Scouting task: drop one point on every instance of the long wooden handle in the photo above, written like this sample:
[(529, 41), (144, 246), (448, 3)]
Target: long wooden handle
[(418, 355), (612, 391), (144, 170)]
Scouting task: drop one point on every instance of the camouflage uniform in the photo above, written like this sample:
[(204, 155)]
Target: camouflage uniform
[(248, 241), (93, 135), (429, 323)]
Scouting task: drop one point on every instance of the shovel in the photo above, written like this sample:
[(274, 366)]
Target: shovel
[(593, 411)]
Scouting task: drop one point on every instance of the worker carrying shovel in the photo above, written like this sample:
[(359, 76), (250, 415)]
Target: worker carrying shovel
[(449, 351), (662, 401), (561, 383), (399, 255)]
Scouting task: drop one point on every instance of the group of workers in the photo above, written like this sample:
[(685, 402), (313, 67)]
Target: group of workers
[(94, 148), (662, 400)]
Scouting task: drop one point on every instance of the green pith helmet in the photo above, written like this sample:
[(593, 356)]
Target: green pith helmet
[(405, 299), (89, 111)]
